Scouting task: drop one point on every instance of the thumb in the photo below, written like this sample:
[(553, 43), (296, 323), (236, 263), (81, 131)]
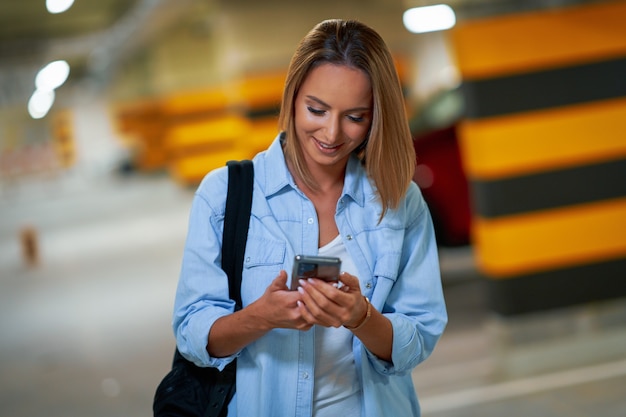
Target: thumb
[(349, 280), (280, 282)]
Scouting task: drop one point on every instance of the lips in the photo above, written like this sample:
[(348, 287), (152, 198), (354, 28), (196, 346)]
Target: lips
[(326, 147)]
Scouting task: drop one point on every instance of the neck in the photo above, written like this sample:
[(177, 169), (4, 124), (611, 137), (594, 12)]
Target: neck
[(326, 178)]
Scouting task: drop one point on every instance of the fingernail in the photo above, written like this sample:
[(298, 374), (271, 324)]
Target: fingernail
[(301, 290), (302, 282)]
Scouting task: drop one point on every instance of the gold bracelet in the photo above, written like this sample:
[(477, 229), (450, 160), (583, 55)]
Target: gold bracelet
[(368, 314)]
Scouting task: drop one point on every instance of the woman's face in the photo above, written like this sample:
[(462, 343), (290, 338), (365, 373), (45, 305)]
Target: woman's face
[(333, 113)]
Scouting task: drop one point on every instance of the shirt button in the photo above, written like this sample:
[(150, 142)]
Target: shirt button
[(310, 220), (305, 375), (248, 259), (349, 237), (368, 285)]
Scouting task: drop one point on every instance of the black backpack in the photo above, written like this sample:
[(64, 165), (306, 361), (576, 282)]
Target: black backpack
[(188, 390)]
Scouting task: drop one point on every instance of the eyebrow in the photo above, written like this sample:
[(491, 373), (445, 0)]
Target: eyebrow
[(322, 103)]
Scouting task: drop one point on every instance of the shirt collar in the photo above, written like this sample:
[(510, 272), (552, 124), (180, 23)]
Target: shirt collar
[(277, 176), (355, 181)]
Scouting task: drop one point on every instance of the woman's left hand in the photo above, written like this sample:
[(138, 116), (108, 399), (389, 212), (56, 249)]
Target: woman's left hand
[(331, 305)]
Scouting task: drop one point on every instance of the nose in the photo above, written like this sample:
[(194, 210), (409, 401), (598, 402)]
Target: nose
[(333, 129)]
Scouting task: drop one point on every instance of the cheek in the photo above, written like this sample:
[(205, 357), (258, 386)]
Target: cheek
[(355, 131), (304, 120)]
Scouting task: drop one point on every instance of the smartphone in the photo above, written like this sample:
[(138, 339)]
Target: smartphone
[(323, 267)]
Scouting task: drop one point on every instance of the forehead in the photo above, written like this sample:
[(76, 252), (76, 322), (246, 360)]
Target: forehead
[(338, 86)]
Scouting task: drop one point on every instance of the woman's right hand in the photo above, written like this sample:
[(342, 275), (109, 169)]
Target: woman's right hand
[(278, 306)]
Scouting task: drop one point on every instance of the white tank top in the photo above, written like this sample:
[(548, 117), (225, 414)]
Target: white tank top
[(337, 389)]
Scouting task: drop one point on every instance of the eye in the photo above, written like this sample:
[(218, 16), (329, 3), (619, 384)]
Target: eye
[(315, 111), (356, 119)]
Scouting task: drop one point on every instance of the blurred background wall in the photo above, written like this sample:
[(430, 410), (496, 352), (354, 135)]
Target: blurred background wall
[(148, 64), (180, 87)]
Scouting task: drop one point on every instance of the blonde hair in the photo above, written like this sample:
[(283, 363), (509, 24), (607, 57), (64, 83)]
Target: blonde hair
[(388, 154)]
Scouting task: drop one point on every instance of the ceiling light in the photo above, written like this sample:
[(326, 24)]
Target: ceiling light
[(58, 6), (429, 18), (52, 75), (40, 103)]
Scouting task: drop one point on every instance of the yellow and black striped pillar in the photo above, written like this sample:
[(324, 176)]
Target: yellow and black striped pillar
[(544, 147)]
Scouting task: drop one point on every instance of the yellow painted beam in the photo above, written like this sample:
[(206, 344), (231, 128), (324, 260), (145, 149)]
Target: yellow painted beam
[(525, 143), (262, 133), (564, 237), (227, 130), (198, 101), (525, 42), (260, 90), (190, 169)]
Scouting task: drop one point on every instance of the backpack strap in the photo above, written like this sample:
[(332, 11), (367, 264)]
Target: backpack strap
[(236, 223)]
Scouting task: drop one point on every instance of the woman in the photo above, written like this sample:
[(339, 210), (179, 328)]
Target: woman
[(336, 181)]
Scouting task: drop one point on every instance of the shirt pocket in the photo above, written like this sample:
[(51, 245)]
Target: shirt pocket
[(263, 261)]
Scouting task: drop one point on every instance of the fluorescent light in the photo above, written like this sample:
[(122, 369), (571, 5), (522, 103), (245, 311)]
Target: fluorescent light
[(47, 80), (429, 18), (58, 6), (52, 75), (40, 103)]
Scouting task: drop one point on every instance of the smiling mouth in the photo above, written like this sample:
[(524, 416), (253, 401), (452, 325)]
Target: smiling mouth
[(325, 146)]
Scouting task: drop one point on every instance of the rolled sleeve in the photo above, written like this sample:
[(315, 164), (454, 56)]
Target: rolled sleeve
[(202, 292), (413, 301)]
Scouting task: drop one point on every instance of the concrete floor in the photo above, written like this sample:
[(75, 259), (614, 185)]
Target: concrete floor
[(86, 332)]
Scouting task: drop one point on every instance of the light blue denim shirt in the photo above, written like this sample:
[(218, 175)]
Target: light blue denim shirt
[(398, 270)]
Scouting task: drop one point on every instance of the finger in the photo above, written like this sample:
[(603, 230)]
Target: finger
[(341, 286), (344, 299), (305, 313), (331, 290), (315, 297), (308, 319)]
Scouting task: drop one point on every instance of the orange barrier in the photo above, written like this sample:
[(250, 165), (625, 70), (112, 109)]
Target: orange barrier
[(191, 133)]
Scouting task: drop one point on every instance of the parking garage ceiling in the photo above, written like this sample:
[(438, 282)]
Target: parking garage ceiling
[(94, 34)]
